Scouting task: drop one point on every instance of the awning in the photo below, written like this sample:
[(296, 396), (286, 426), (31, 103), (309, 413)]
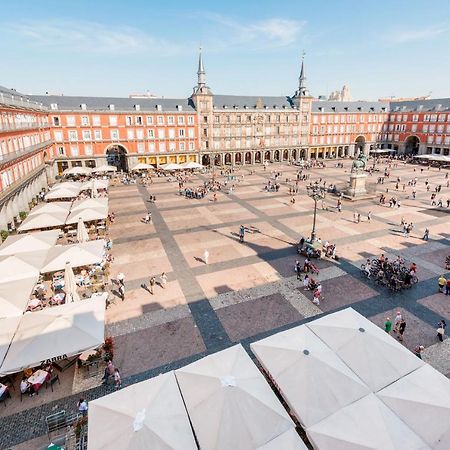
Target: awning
[(8, 327), (61, 193), (79, 170), (87, 215), (98, 184), (81, 254), (229, 402), (171, 166), (142, 166), (146, 415), (29, 242), (21, 266), (89, 203), (15, 295), (105, 168), (191, 165), (56, 333), (46, 220), (51, 208)]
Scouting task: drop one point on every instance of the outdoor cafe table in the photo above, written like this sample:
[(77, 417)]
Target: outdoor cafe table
[(38, 378), (3, 388)]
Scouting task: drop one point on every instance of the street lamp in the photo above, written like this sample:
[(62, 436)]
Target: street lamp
[(316, 192)]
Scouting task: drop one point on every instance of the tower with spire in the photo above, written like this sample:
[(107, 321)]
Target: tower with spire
[(302, 92), (201, 87)]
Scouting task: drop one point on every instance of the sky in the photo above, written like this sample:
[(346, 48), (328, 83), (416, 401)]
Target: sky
[(115, 48)]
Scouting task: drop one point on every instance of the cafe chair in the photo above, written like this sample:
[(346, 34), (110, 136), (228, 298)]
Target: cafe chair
[(52, 381)]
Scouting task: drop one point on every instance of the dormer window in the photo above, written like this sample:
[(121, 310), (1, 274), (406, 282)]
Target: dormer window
[(111, 107), (179, 108), (333, 108), (372, 109), (53, 106), (158, 107), (346, 108), (359, 108), (137, 107), (83, 106)]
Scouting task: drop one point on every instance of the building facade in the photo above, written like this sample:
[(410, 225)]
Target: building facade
[(41, 136)]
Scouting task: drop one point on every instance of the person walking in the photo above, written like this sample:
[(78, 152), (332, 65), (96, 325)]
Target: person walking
[(401, 329), (82, 407), (152, 284), (122, 291), (397, 319), (163, 280), (442, 282), (205, 256), (418, 351), (298, 269), (442, 325), (388, 325), (426, 234), (369, 216), (117, 378)]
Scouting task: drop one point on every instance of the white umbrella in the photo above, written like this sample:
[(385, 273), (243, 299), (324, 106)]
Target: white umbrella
[(89, 203), (29, 242), (191, 165), (146, 415), (70, 286), (105, 168), (142, 166), (45, 220), (88, 215), (94, 193), (82, 234), (51, 208), (78, 171), (171, 166)]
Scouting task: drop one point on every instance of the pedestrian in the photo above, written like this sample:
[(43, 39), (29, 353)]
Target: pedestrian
[(401, 329), (442, 325), (388, 325), (298, 269), (122, 291), (442, 282), (117, 379), (358, 217), (163, 280), (82, 407), (418, 351), (426, 234), (120, 277), (152, 284), (369, 216), (306, 282), (447, 287), (205, 256), (398, 318), (241, 233)]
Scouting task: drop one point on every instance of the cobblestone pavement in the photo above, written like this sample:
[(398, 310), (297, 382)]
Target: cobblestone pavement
[(245, 292)]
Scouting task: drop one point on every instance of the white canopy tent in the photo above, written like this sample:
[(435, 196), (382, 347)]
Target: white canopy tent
[(191, 165), (365, 424), (74, 185), (104, 168), (14, 296), (78, 170), (21, 266), (311, 378), (45, 220), (229, 402), (289, 440), (87, 215), (142, 166), (8, 327), (51, 208), (439, 158), (63, 192), (371, 353), (171, 166), (29, 242), (58, 332), (422, 400), (89, 203), (146, 415), (83, 254), (97, 184)]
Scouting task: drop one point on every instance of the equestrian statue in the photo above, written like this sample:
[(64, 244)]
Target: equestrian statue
[(359, 163)]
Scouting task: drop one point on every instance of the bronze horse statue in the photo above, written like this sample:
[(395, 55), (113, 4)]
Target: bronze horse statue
[(359, 163)]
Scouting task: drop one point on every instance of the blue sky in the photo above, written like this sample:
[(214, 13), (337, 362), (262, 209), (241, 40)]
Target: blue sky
[(97, 47)]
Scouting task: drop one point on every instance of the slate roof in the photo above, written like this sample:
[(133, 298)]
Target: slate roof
[(243, 101), (350, 107), (121, 104), (435, 104)]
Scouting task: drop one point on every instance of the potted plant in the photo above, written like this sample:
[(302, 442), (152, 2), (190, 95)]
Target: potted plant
[(108, 348), (4, 234), (78, 426), (22, 215)]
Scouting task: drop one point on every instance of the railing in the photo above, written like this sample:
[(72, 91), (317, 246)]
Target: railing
[(12, 100), (30, 149), (23, 126)]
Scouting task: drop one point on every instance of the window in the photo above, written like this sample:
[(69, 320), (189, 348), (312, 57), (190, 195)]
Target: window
[(182, 146), (415, 118), (70, 121), (151, 147), (53, 106), (180, 120), (88, 150), (425, 128), (149, 120), (138, 120), (73, 135), (85, 120), (140, 134), (160, 120), (96, 121), (74, 150), (56, 121), (130, 133), (181, 132), (129, 121), (86, 135), (140, 147), (172, 146), (98, 135), (238, 119), (205, 119), (171, 120), (61, 151), (114, 134), (191, 146), (113, 120), (171, 133), (190, 133), (191, 120), (161, 133), (151, 134), (162, 147), (58, 136)]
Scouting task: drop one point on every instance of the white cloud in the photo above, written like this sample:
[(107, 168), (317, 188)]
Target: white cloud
[(90, 37), (416, 34)]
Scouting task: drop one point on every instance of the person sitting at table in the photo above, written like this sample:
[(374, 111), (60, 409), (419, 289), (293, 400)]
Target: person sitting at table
[(26, 387)]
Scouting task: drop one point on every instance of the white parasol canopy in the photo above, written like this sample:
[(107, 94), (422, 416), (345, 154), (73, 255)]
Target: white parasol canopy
[(14, 296), (45, 220), (29, 242), (371, 353), (74, 185), (191, 165), (63, 192), (170, 166), (142, 166), (89, 203), (70, 286), (289, 440), (422, 400), (79, 170), (82, 234), (87, 215), (8, 327), (229, 402), (364, 424), (146, 415), (311, 378), (20, 266), (104, 168), (84, 254), (99, 184), (51, 208), (56, 333)]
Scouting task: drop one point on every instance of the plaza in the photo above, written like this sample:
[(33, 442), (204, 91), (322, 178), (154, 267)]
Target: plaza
[(247, 291)]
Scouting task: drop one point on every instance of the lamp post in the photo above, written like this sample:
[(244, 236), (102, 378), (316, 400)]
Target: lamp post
[(316, 192)]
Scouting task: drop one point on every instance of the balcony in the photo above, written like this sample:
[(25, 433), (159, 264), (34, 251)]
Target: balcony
[(17, 101), (23, 127), (24, 152)]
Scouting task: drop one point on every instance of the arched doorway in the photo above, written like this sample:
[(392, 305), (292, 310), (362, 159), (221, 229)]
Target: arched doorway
[(267, 156), (303, 154), (248, 158), (285, 155), (205, 160), (217, 160), (276, 155), (258, 157), (238, 158), (116, 155), (227, 158), (294, 154), (412, 144), (360, 144)]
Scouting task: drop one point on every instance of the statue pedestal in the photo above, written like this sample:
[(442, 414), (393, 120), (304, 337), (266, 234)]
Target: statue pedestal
[(357, 187)]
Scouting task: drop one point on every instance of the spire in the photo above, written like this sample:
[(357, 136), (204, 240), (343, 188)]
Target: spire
[(201, 74), (302, 78)]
